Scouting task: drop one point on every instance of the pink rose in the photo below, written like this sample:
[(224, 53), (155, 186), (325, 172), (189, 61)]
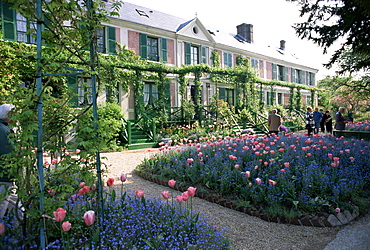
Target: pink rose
[(139, 193), (110, 182), (171, 183), (165, 194), (123, 177), (60, 214), (89, 217), (66, 226)]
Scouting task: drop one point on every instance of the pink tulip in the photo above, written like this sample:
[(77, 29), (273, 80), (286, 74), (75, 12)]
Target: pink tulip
[(86, 189), (123, 177), (258, 181), (60, 214), (81, 192), (248, 174), (185, 196), (51, 192), (191, 191), (337, 210), (237, 166), (66, 226), (78, 151), (286, 164), (110, 182), (179, 198), (2, 228), (139, 193), (165, 194), (250, 184), (282, 170), (190, 160), (89, 217), (82, 184), (171, 183)]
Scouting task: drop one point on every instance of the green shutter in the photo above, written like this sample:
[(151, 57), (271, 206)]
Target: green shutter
[(164, 54), (303, 77), (187, 53), (293, 75), (313, 75), (143, 46), (286, 75), (204, 55), (111, 40), (73, 88), (8, 22), (274, 71), (222, 93), (167, 92)]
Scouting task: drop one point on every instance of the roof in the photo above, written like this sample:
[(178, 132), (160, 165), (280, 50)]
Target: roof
[(152, 18)]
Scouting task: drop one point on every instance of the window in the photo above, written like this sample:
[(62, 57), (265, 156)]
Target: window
[(153, 48), (16, 27), (227, 95), (311, 78), (194, 54), (228, 59), (84, 91), (106, 40), (254, 63), (279, 72), (308, 100), (280, 98), (150, 94)]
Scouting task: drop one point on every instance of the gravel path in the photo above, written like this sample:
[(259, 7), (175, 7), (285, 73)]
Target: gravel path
[(244, 231)]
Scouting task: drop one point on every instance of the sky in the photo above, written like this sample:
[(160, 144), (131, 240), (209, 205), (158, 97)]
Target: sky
[(272, 21)]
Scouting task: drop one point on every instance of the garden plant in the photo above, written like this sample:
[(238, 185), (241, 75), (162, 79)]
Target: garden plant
[(284, 176)]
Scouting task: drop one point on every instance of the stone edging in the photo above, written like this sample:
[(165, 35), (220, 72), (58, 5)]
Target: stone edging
[(342, 218)]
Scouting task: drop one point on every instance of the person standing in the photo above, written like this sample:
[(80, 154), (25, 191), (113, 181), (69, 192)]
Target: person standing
[(322, 123), (317, 117), (274, 122), (5, 148), (310, 123), (328, 122), (340, 121)]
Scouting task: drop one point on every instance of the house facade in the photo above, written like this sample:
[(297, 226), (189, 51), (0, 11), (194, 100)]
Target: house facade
[(163, 38)]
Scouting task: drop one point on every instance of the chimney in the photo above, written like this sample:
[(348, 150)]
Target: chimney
[(246, 31), (282, 44)]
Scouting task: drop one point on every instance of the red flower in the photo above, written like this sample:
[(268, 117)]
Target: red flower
[(171, 183), (139, 193), (191, 191), (165, 194), (110, 182), (123, 177)]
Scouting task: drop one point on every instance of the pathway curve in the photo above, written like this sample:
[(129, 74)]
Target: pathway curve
[(243, 230)]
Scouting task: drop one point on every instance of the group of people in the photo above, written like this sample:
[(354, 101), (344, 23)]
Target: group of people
[(317, 120)]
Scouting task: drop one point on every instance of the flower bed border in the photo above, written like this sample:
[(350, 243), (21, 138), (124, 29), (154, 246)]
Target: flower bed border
[(356, 134), (342, 218)]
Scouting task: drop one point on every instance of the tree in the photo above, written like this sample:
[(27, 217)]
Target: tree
[(327, 21), (341, 92)]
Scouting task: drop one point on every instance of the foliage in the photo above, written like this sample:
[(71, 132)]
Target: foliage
[(345, 91), (310, 175), (129, 223), (109, 126), (327, 21), (188, 109)]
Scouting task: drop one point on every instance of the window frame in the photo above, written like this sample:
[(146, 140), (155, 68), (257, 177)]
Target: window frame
[(228, 59)]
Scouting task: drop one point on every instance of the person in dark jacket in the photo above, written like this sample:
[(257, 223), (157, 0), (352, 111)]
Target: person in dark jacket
[(5, 148), (328, 122), (310, 123), (340, 121)]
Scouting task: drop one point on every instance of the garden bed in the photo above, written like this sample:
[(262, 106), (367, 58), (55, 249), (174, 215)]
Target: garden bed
[(288, 179)]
